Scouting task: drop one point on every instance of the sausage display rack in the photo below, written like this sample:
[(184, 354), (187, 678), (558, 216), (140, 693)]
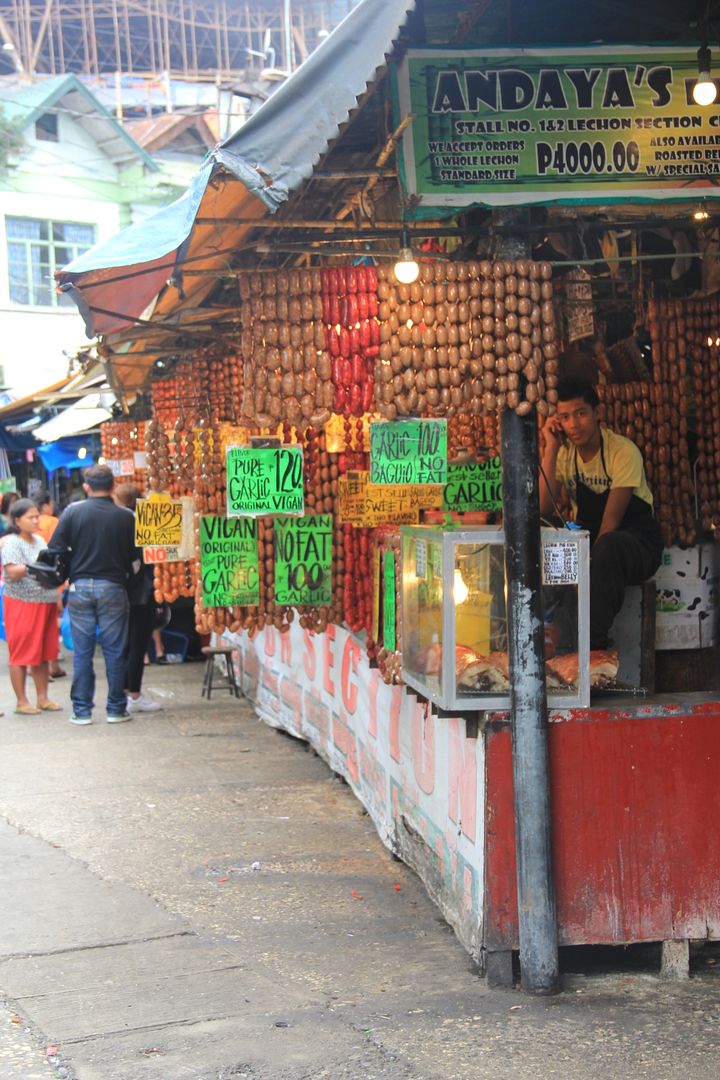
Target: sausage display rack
[(455, 648)]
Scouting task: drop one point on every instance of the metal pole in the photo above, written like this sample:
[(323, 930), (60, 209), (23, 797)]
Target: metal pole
[(521, 521), (287, 26)]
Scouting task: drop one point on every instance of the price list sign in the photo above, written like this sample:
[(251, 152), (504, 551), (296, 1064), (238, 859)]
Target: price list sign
[(560, 563), (408, 452), (262, 481), (303, 560), (229, 562)]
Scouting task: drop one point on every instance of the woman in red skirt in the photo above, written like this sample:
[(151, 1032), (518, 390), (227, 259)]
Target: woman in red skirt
[(30, 611)]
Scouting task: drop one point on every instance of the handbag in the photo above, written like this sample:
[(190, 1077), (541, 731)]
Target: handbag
[(51, 569)]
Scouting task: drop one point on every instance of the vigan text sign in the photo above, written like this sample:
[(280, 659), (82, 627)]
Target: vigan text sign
[(499, 127)]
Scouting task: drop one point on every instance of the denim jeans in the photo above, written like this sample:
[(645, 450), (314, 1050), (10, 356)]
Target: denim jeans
[(96, 604)]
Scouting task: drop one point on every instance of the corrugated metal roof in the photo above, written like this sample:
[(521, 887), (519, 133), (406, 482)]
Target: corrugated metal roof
[(283, 141), (155, 132), (119, 281)]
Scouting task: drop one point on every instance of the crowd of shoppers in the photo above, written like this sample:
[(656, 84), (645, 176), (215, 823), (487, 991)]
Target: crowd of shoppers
[(109, 597)]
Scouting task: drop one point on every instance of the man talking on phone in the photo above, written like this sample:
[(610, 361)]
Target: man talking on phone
[(604, 475)]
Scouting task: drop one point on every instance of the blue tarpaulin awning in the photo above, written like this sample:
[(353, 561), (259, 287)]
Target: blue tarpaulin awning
[(64, 454)]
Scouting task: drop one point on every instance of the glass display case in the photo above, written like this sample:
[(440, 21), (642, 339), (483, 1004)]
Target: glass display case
[(455, 641)]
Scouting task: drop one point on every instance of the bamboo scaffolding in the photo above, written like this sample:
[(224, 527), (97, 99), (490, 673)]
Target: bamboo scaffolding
[(204, 40)]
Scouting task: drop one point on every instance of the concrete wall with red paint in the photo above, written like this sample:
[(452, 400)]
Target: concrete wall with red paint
[(421, 778)]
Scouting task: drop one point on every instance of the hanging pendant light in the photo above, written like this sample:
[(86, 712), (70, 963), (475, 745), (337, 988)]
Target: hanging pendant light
[(406, 269), (704, 91)]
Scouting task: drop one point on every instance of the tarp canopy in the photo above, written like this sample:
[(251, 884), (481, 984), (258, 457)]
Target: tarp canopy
[(15, 443), (17, 410), (82, 416), (164, 265), (65, 455)]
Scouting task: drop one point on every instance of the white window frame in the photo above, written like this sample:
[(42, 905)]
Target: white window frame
[(49, 246)]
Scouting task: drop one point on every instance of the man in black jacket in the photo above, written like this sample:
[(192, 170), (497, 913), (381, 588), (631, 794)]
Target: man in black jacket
[(100, 538)]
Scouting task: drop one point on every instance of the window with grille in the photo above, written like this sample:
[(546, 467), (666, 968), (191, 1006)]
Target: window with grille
[(36, 249)]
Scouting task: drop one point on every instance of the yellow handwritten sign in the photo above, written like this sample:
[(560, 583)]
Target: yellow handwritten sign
[(159, 521), (366, 504), (185, 550)]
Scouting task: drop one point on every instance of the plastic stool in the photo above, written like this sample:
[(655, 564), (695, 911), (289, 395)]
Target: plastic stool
[(211, 651)]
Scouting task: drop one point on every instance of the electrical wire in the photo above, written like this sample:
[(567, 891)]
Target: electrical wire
[(561, 516)]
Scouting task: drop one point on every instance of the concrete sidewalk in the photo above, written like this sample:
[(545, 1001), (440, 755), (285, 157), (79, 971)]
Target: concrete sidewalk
[(194, 896)]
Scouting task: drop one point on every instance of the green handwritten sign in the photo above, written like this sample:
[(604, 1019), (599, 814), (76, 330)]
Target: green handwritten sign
[(229, 562), (263, 481), (408, 452), (474, 485), (303, 560), (503, 126), (389, 638)]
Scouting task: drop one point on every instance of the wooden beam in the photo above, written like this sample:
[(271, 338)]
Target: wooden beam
[(41, 32)]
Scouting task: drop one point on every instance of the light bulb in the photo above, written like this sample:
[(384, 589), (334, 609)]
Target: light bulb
[(406, 269), (460, 589), (704, 90), (82, 452), (700, 214)]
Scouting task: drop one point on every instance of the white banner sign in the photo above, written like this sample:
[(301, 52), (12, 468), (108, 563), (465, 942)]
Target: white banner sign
[(420, 777)]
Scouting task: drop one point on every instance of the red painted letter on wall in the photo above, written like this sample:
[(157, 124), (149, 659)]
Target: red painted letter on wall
[(396, 700), (328, 660), (351, 656), (462, 778), (373, 696), (423, 747), (285, 650), (309, 659)]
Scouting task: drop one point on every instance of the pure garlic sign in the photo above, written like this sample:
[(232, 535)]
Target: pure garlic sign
[(264, 481)]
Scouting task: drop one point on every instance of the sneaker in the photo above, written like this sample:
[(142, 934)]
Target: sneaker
[(117, 719), (80, 720), (141, 704)]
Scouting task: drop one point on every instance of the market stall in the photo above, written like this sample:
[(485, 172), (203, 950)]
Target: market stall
[(340, 432)]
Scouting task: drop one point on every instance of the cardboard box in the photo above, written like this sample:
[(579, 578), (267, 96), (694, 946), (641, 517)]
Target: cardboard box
[(684, 630), (686, 612), (680, 565)]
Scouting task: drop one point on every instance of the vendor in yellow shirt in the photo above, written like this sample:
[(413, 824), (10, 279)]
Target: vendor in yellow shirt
[(604, 475)]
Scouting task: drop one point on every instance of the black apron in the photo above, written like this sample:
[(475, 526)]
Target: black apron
[(638, 517)]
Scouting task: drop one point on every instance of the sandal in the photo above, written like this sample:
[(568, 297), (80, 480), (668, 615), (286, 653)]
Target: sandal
[(59, 674), (50, 706), (27, 710)]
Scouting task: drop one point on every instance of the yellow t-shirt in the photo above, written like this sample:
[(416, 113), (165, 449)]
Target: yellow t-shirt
[(624, 468)]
